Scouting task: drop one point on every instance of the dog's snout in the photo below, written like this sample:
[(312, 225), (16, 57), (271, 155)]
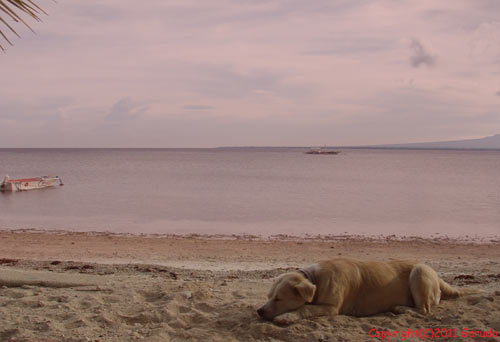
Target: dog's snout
[(260, 312)]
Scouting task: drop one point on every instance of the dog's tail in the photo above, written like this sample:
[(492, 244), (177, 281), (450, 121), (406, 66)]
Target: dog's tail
[(448, 291)]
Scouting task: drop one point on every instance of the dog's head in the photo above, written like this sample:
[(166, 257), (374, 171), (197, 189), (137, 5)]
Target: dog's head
[(289, 292)]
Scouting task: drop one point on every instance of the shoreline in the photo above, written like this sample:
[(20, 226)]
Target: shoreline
[(222, 252), (433, 238)]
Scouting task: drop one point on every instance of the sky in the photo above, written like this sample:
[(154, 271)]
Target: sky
[(208, 73)]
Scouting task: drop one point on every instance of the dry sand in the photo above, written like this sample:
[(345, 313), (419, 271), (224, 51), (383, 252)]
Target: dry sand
[(100, 287)]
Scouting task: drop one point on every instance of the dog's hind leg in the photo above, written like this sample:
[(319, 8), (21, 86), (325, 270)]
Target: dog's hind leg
[(424, 287)]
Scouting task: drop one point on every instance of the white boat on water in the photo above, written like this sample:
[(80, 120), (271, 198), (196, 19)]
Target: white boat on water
[(321, 151), (22, 184)]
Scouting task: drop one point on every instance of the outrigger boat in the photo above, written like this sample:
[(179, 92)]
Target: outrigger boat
[(321, 151), (8, 184)]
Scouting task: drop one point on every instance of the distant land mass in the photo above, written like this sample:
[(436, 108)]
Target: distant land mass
[(487, 143)]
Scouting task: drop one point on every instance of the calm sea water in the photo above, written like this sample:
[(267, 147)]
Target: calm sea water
[(261, 192)]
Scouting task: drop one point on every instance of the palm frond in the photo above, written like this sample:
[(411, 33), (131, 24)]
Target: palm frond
[(12, 10)]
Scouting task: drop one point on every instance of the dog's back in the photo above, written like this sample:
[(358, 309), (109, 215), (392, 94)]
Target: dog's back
[(366, 287)]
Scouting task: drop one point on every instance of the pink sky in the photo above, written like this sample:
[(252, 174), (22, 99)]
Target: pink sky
[(122, 73)]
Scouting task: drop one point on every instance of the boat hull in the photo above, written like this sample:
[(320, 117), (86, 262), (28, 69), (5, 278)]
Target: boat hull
[(322, 152), (29, 183)]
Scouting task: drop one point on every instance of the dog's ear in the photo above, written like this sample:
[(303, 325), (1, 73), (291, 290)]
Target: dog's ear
[(306, 290)]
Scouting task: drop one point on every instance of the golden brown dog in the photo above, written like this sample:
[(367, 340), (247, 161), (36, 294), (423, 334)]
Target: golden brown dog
[(357, 288)]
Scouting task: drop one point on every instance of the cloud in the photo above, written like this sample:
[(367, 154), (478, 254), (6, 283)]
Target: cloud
[(498, 93), (126, 109), (419, 55), (198, 107), (42, 109), (353, 46), (224, 81)]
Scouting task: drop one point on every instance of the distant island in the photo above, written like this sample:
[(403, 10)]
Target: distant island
[(487, 143)]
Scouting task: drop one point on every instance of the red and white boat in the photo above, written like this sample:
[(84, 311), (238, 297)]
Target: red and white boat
[(22, 184)]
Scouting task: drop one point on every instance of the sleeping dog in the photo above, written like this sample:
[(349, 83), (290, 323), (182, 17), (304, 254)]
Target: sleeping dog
[(356, 288)]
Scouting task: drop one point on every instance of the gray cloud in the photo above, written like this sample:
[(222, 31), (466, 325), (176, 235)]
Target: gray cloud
[(221, 81), (235, 83), (341, 45), (44, 109), (96, 11), (419, 55), (498, 93), (225, 82), (126, 109), (197, 107)]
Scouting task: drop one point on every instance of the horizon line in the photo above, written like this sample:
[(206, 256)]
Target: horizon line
[(360, 147)]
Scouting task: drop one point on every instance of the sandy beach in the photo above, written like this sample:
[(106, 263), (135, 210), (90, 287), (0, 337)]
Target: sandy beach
[(102, 287)]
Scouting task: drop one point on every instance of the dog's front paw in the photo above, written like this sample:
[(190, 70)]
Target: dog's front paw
[(286, 318)]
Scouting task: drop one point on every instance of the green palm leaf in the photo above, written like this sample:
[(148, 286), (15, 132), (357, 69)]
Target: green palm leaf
[(10, 10)]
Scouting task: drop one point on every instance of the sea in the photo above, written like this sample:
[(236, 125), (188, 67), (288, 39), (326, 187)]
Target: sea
[(261, 192)]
